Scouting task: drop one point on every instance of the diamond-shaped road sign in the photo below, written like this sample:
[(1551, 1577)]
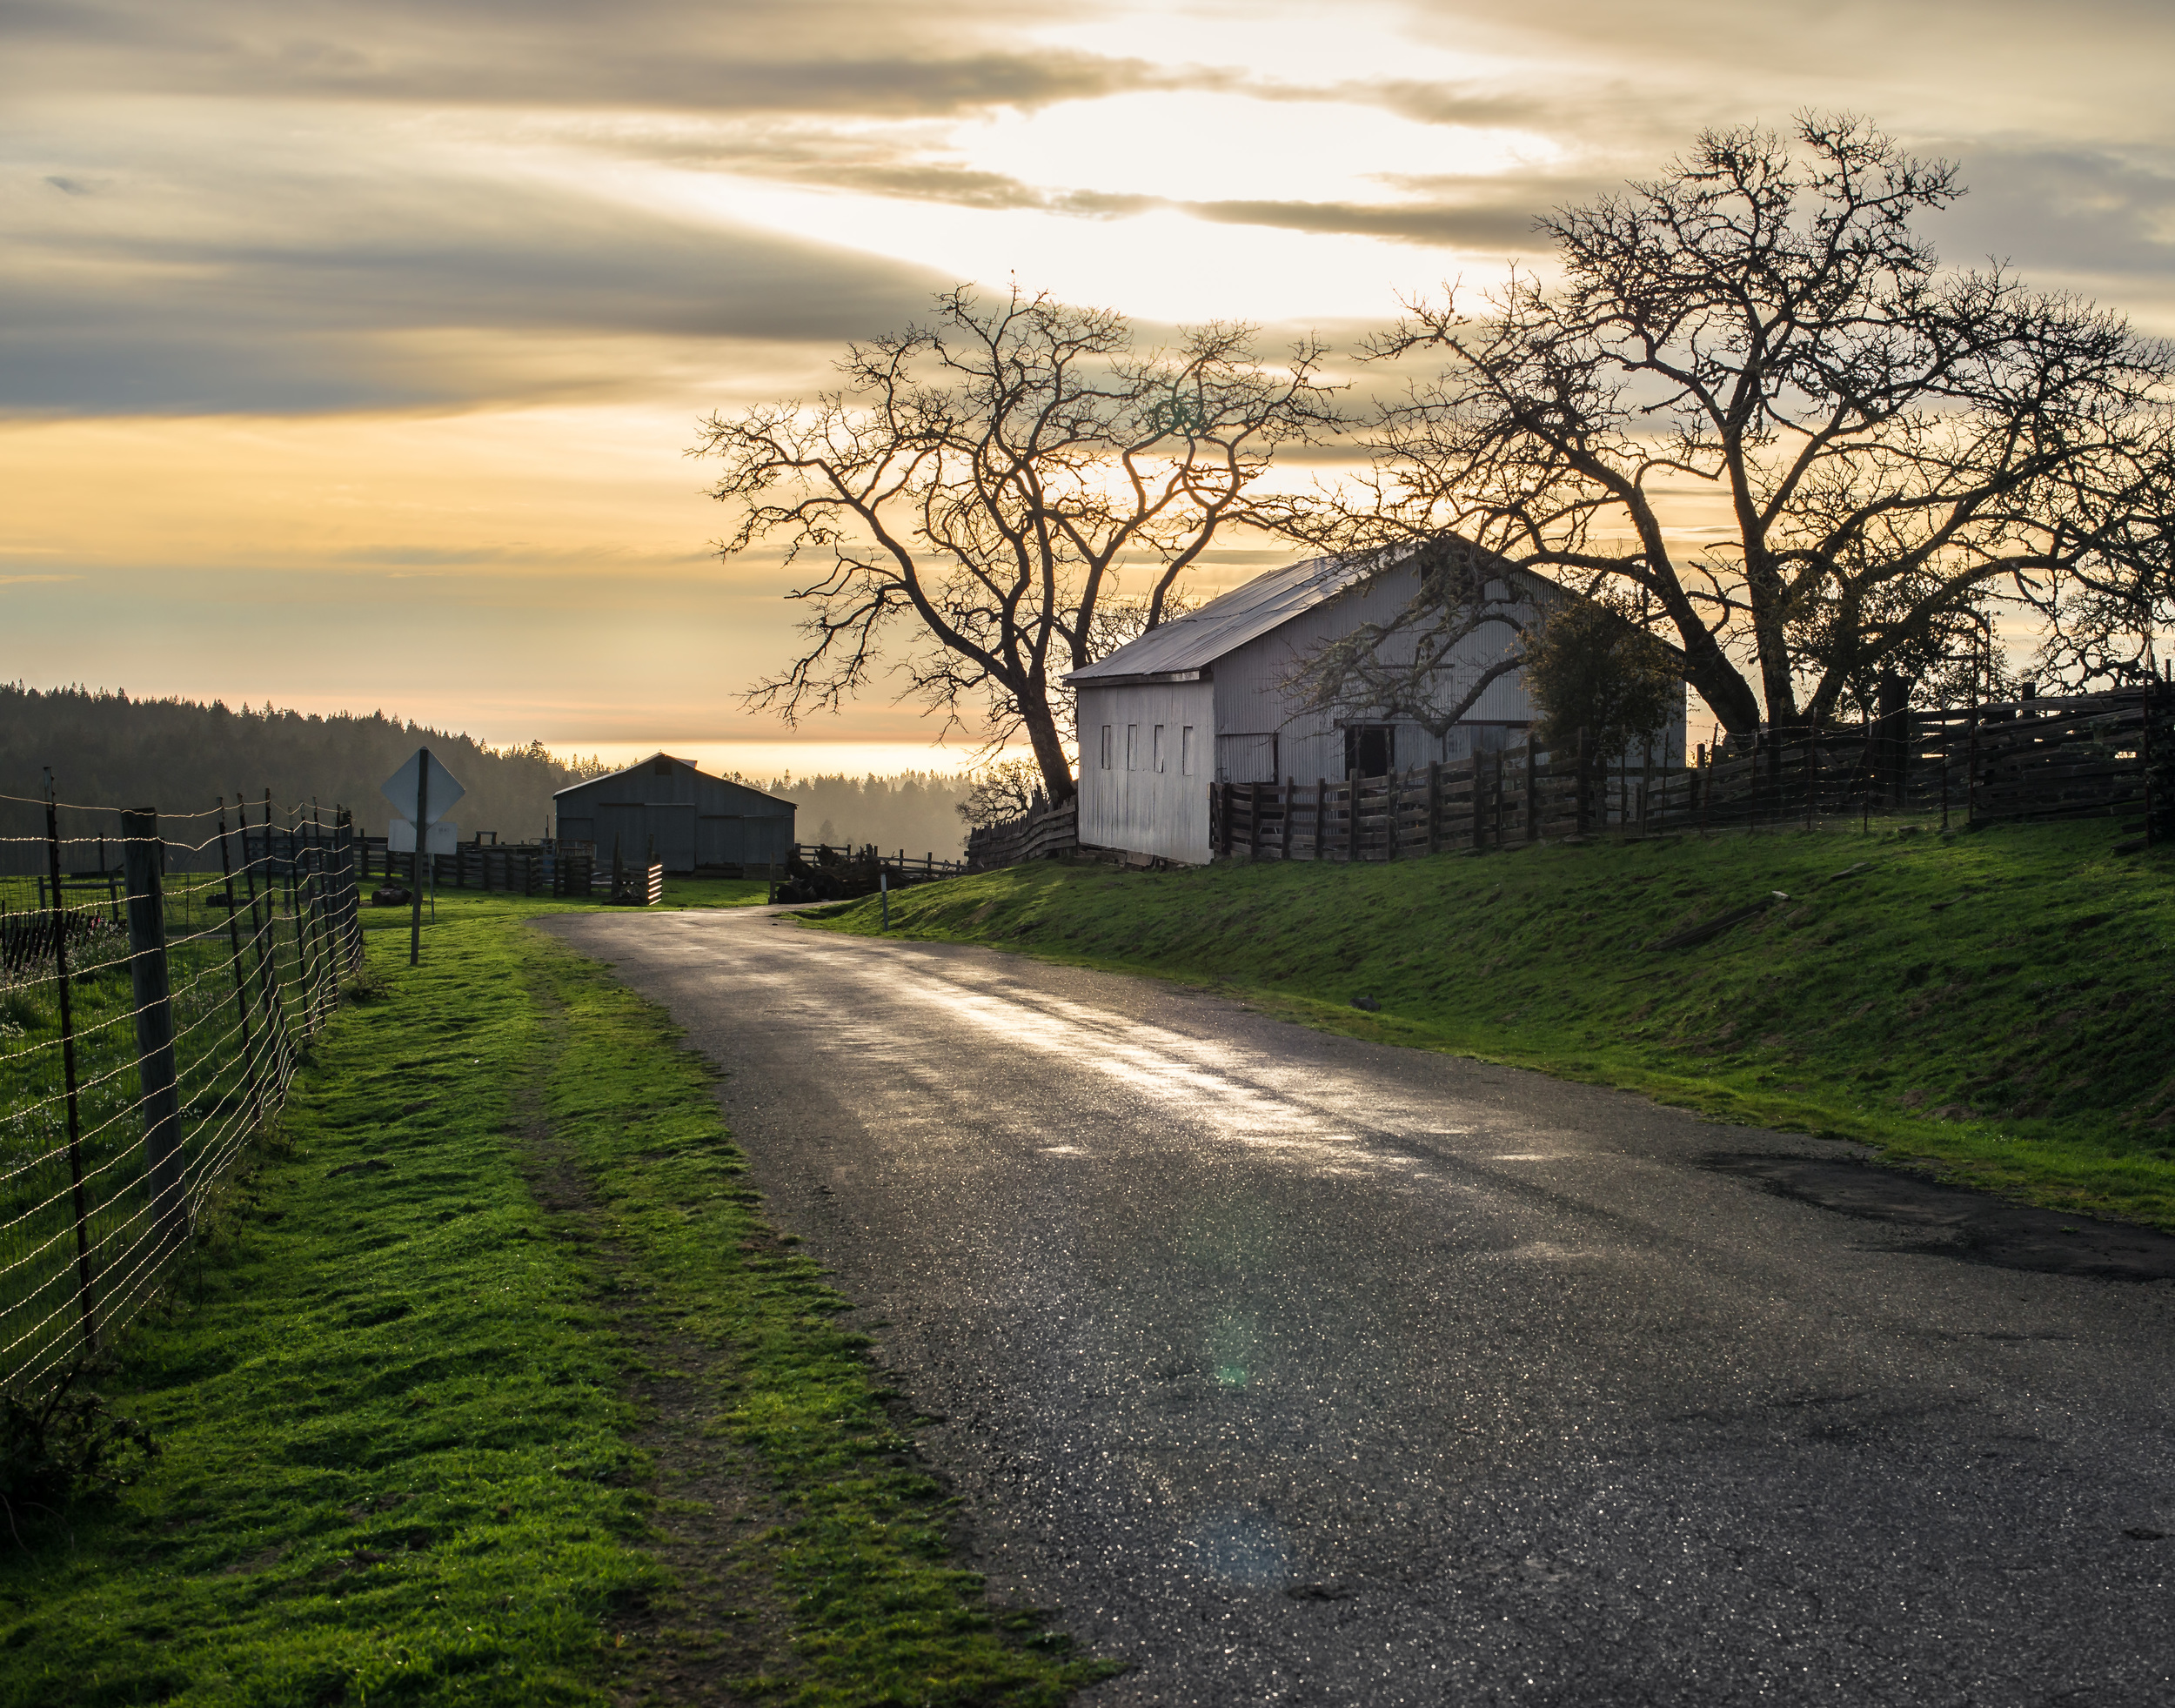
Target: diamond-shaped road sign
[(439, 794)]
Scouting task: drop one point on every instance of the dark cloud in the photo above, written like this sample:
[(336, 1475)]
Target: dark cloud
[(2068, 211), (343, 318), (863, 59)]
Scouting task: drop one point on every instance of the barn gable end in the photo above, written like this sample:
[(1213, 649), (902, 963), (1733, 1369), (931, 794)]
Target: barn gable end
[(698, 822)]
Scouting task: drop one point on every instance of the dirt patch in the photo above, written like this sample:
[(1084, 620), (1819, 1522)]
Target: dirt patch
[(721, 1621), (1962, 1223)]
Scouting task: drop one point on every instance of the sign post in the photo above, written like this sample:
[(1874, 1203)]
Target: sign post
[(424, 785)]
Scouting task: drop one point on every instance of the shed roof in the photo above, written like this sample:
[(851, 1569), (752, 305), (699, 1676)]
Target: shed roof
[(1230, 619), (643, 765), (1265, 604)]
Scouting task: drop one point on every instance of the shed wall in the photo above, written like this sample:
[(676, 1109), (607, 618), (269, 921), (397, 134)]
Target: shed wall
[(1264, 733), (1131, 802)]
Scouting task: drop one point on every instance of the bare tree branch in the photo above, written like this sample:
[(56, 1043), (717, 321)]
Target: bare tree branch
[(1894, 444), (975, 488)]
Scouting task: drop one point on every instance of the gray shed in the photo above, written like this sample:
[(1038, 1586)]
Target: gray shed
[(700, 821)]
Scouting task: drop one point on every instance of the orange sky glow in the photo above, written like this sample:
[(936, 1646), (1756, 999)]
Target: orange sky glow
[(353, 353)]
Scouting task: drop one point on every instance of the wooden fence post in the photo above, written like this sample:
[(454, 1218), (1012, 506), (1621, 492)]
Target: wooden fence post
[(85, 1304), (1434, 805), (2144, 746), (154, 1023), (1291, 801), (1971, 774), (1389, 816), (1321, 818), (1351, 817), (1474, 763)]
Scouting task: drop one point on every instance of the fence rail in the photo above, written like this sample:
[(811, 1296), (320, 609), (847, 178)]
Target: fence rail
[(2102, 756), (1042, 832), (152, 1018)]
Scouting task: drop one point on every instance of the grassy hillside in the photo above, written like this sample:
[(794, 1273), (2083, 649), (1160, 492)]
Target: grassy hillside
[(1998, 1006)]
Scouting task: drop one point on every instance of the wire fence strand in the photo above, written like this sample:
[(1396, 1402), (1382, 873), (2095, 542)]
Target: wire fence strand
[(152, 1017)]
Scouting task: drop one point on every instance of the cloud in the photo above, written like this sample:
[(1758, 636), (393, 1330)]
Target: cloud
[(442, 293), (2067, 210), (861, 59)]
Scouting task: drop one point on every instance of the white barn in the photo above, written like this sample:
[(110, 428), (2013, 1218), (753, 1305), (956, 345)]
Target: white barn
[(1204, 698)]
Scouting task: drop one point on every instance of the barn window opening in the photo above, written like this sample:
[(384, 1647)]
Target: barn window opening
[(1370, 749), (1106, 747), (1159, 746), (1133, 747), (1185, 750)]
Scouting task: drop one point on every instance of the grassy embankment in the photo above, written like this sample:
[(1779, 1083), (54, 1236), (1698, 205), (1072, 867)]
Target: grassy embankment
[(489, 1384), (1997, 1006)]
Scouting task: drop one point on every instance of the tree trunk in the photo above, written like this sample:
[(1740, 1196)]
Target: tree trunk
[(1049, 750)]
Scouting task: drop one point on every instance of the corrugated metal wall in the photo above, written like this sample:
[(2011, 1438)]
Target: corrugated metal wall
[(1252, 700), (1127, 799)]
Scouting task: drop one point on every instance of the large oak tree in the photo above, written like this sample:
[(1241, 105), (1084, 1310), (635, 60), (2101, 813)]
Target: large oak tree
[(974, 487), (1762, 340)]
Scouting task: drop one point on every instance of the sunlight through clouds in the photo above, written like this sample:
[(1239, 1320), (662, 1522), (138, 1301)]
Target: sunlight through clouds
[(409, 291)]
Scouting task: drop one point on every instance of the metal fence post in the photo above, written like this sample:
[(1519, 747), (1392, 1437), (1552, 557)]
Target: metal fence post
[(321, 911), (85, 1301), (154, 1023), (241, 979), (351, 919), (276, 1042)]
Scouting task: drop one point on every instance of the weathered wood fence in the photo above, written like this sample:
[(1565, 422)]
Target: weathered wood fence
[(2107, 754), (1038, 833)]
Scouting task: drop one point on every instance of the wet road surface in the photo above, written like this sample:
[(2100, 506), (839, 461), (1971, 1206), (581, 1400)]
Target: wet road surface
[(1296, 1369)]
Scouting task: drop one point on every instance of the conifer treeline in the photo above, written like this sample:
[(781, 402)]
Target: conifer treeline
[(915, 810), (179, 756)]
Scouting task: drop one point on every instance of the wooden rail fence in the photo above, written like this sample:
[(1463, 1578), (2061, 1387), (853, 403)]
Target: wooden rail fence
[(2093, 755), (1036, 836)]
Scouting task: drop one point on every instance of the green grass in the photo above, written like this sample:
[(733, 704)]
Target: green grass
[(1997, 1007), (399, 1396)]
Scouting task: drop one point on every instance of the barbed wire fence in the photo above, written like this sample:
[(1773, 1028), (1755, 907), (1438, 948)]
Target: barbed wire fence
[(159, 976)]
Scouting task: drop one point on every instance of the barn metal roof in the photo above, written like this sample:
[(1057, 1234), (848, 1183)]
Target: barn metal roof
[(643, 765), (1229, 620)]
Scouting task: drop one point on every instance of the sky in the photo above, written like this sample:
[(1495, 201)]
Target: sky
[(352, 353)]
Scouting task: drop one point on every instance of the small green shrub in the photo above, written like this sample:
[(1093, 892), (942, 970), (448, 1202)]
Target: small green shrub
[(66, 1448)]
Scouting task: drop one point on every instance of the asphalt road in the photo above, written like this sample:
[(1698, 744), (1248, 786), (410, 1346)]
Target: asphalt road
[(1291, 1369)]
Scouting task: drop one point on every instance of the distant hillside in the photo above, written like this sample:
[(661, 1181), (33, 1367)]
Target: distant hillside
[(917, 811), (107, 750)]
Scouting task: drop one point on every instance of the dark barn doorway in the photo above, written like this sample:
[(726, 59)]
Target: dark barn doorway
[(1370, 749)]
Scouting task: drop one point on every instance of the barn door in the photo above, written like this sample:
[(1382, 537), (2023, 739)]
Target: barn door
[(675, 827)]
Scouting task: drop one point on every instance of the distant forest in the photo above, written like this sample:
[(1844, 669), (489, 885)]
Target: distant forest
[(916, 810), (107, 750)]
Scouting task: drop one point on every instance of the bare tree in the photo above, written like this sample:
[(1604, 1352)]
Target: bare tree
[(975, 487), (1002, 790), (1760, 335)]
